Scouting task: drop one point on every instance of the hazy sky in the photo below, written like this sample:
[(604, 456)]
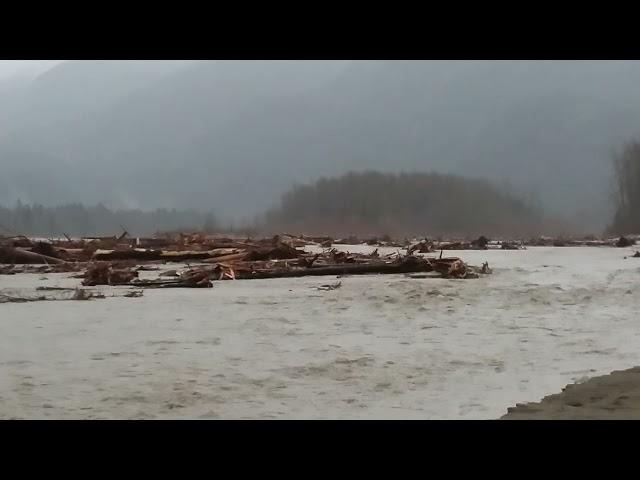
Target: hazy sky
[(9, 68)]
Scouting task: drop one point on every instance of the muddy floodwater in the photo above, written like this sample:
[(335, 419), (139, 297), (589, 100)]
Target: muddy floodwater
[(379, 347)]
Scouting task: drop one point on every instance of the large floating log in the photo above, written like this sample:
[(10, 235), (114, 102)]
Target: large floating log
[(17, 255), (408, 265), (133, 254), (168, 256), (183, 256), (227, 258)]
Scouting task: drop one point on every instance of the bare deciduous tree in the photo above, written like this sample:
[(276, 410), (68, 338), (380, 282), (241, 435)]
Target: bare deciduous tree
[(626, 171)]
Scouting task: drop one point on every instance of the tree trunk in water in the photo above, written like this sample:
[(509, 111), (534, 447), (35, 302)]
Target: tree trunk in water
[(411, 265), (17, 255)]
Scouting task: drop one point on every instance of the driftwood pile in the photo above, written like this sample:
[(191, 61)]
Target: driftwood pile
[(183, 248), (588, 241), (105, 273), (66, 294), (481, 243), (118, 260), (64, 255), (268, 262)]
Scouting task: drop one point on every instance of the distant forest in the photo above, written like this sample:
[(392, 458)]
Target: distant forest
[(366, 203), (404, 204), (77, 220)]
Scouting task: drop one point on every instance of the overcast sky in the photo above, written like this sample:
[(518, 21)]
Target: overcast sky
[(9, 68)]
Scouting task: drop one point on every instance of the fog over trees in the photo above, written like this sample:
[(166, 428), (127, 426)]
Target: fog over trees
[(231, 137), (77, 220), (405, 204)]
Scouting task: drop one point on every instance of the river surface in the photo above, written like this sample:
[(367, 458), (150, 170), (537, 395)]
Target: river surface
[(379, 347)]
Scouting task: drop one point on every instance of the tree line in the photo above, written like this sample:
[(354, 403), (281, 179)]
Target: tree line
[(356, 203), (403, 204), (78, 220)]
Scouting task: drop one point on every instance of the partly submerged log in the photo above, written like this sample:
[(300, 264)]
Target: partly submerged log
[(132, 254), (227, 258), (167, 256), (185, 255), (407, 265), (149, 255), (194, 278), (280, 251)]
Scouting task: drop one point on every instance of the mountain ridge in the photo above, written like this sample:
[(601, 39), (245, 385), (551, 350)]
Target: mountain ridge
[(235, 135)]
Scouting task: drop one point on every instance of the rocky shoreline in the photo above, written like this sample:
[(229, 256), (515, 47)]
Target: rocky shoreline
[(609, 397)]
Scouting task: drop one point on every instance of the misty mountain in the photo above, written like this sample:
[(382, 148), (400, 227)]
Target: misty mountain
[(66, 95), (233, 136)]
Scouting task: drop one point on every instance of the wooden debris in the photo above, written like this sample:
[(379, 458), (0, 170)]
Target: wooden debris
[(147, 268), (424, 246), (279, 251), (624, 242), (81, 294), (170, 273), (10, 299), (133, 294), (194, 278), (330, 287), (405, 265), (54, 289), (46, 249), (104, 273), (227, 259), (8, 270), (128, 254), (13, 255), (588, 241)]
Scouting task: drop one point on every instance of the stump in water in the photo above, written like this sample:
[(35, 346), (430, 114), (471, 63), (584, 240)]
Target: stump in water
[(624, 242), (103, 273)]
